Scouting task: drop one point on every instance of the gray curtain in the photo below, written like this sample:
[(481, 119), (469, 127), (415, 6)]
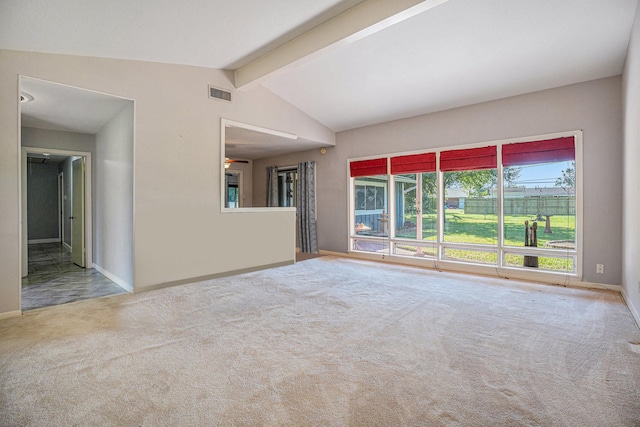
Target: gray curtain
[(272, 186), (306, 207)]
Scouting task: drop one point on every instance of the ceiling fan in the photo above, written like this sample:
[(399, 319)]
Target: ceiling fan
[(228, 161)]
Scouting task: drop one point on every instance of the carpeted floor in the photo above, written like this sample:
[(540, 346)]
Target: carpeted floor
[(328, 341)]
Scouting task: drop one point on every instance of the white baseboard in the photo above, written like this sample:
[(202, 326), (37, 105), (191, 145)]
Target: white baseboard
[(632, 308), (115, 279), (51, 240), (591, 285), (67, 246), (9, 314), (537, 277), (332, 253)]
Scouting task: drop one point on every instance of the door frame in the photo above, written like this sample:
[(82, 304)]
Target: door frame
[(61, 207), (88, 210), (78, 238)]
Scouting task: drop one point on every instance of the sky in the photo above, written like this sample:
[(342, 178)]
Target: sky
[(541, 175)]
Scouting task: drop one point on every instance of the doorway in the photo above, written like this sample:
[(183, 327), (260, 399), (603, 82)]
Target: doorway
[(57, 230), (233, 189), (96, 130), (287, 187), (72, 172)]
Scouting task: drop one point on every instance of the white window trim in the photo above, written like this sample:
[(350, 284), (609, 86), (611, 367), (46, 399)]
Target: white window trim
[(223, 124), (386, 194)]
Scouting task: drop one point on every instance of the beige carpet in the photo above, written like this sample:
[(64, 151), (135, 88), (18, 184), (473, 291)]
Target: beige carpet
[(328, 341)]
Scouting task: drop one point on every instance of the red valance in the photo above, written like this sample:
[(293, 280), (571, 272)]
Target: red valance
[(415, 163), (368, 167), (469, 159), (549, 150)]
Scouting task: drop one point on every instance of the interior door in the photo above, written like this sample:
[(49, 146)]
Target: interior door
[(78, 249)]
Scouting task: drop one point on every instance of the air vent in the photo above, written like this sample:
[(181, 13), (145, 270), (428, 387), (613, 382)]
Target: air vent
[(216, 93)]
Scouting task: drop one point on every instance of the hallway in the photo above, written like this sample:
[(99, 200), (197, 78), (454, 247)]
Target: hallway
[(53, 279)]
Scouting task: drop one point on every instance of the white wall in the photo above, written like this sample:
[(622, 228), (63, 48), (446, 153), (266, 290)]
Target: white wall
[(46, 138), (631, 235), (179, 231), (113, 227), (594, 107)]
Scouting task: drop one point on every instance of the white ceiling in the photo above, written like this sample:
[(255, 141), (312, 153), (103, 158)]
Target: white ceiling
[(461, 53), (66, 108), (209, 33), (457, 53)]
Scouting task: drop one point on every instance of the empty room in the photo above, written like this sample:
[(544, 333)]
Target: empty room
[(356, 212)]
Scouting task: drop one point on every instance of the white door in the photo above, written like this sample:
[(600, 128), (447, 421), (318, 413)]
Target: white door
[(78, 250)]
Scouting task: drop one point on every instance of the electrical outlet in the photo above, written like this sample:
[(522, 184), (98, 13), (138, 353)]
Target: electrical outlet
[(600, 268)]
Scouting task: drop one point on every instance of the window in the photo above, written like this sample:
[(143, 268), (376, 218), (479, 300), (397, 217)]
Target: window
[(451, 205), (407, 206), (287, 187), (370, 205), (415, 204), (539, 192), (371, 214), (470, 208), (415, 214), (429, 206), (232, 196), (371, 194), (371, 202)]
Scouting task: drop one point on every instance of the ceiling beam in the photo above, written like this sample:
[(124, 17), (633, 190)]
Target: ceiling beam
[(360, 21)]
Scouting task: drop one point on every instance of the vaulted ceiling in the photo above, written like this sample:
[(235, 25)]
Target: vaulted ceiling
[(347, 63)]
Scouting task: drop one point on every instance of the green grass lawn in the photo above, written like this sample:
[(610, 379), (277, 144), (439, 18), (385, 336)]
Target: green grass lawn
[(483, 229)]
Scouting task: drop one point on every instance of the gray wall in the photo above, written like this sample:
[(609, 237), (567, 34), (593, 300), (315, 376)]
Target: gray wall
[(42, 200), (113, 228), (631, 235), (594, 107)]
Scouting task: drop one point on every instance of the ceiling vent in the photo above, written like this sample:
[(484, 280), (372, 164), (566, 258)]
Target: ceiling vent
[(216, 93)]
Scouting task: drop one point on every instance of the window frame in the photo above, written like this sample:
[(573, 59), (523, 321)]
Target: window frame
[(501, 266), (385, 201)]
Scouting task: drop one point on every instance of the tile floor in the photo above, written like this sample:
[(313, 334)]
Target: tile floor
[(53, 279)]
